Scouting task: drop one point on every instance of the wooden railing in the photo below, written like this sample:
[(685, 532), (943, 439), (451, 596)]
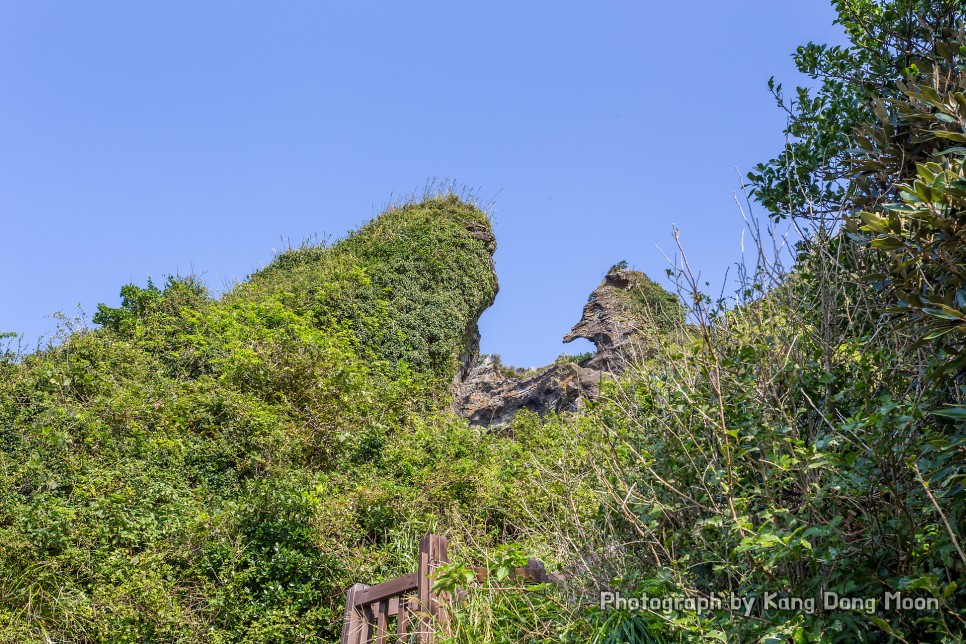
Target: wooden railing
[(406, 609)]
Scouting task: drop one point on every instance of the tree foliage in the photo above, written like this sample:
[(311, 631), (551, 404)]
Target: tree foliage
[(911, 188), (810, 178)]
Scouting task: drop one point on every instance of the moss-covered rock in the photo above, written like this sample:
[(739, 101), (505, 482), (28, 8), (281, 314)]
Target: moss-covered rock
[(623, 318), (621, 314)]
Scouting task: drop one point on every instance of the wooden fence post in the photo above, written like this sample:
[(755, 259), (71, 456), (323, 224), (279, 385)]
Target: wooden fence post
[(432, 555), (368, 609), (355, 628)]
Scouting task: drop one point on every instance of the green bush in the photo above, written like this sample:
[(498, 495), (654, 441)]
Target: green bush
[(202, 469)]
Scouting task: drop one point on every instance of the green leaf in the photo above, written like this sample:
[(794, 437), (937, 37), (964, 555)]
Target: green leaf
[(951, 136), (881, 623), (956, 413)]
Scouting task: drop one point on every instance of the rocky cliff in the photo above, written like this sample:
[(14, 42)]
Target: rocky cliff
[(619, 317)]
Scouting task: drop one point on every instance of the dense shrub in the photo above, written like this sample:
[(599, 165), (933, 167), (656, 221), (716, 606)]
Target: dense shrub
[(221, 470)]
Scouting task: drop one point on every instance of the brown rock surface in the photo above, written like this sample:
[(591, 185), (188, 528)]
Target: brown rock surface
[(492, 394), (488, 393), (612, 319)]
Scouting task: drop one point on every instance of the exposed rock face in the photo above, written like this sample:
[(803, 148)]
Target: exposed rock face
[(480, 232), (471, 351), (611, 321), (490, 394)]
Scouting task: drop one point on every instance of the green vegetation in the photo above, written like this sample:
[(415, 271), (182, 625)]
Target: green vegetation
[(566, 358), (811, 177), (654, 304), (222, 470), (508, 371), (806, 437)]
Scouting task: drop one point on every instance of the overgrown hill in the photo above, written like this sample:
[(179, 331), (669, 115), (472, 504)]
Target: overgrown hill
[(222, 470), (202, 469)]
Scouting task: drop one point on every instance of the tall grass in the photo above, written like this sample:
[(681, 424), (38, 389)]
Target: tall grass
[(772, 444)]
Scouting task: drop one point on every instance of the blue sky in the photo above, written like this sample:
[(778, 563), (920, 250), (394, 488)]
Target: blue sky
[(145, 139)]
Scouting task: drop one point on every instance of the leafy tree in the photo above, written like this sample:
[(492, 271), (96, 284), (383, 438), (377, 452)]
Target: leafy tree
[(911, 186), (880, 143), (810, 177)]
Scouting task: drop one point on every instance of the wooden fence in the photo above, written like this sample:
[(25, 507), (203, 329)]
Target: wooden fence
[(406, 609)]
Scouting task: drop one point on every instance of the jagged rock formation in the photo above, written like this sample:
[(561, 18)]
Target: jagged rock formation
[(471, 351), (492, 394), (617, 318), (610, 320)]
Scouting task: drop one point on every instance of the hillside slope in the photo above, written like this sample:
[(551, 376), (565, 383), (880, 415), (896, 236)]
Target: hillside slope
[(210, 470)]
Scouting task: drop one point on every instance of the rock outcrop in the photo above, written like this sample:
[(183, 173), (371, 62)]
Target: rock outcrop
[(610, 320), (491, 394), (471, 349), (618, 316)]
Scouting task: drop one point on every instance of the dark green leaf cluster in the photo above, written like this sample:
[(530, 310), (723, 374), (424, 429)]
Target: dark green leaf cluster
[(916, 227), (810, 177), (792, 449)]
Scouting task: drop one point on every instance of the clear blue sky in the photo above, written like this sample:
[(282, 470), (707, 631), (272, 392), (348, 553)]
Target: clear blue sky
[(143, 139)]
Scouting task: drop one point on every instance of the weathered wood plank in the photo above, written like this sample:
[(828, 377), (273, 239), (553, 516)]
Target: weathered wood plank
[(402, 618), (382, 622), (370, 629), (441, 598), (423, 585), (370, 608), (353, 625), (386, 590)]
